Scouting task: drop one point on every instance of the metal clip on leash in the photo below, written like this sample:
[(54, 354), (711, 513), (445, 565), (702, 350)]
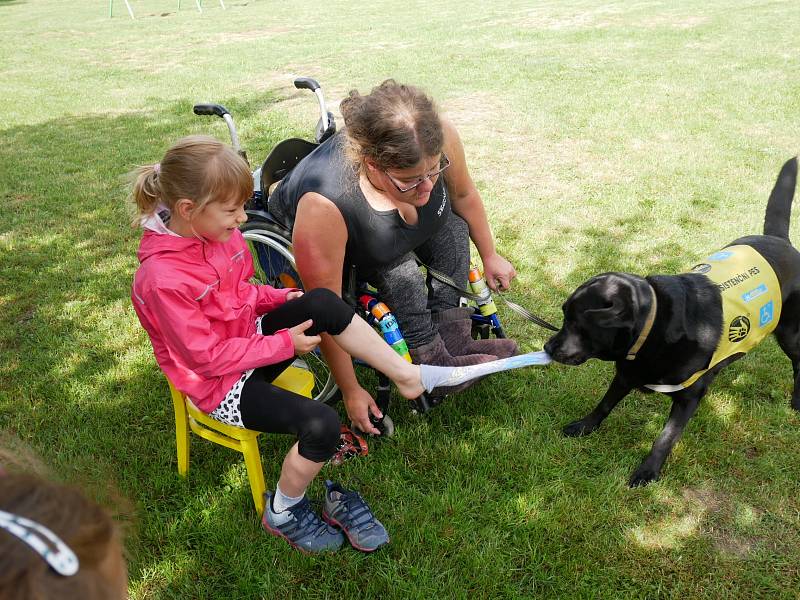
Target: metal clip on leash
[(525, 313), (520, 310)]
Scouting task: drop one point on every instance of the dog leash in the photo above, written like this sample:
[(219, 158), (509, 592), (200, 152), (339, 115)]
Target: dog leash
[(520, 310)]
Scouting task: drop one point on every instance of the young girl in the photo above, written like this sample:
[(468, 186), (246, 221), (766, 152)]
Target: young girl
[(222, 340)]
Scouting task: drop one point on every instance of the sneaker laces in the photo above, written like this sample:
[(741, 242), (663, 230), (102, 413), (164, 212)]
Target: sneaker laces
[(307, 519), (358, 514)]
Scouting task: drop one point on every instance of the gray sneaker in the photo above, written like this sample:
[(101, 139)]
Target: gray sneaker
[(304, 530), (347, 510)]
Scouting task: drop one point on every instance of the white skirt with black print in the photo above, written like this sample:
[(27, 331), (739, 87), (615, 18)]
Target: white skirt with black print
[(228, 411)]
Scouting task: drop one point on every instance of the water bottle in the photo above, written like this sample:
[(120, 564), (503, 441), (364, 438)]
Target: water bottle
[(477, 285), (383, 317)]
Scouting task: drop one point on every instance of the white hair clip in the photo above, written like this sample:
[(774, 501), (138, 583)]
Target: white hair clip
[(62, 559)]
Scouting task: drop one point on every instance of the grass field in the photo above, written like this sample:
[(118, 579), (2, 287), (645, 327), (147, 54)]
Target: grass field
[(632, 136)]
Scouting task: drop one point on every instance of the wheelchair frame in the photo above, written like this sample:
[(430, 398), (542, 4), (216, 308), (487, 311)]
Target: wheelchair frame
[(271, 246)]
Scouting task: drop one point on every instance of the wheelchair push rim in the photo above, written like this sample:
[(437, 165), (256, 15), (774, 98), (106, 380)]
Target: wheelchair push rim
[(274, 265)]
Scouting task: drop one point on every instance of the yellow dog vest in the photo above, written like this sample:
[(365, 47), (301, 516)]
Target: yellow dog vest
[(751, 303)]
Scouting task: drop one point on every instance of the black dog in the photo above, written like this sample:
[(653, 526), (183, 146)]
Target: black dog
[(662, 329)]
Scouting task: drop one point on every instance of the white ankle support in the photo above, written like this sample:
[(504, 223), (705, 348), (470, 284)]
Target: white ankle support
[(433, 377)]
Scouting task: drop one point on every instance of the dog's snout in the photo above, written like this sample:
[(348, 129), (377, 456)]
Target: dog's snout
[(554, 345), (566, 348)]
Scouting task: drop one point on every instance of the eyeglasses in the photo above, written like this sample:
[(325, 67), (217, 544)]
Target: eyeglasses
[(443, 164)]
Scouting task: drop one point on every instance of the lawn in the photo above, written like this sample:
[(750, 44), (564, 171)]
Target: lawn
[(603, 136)]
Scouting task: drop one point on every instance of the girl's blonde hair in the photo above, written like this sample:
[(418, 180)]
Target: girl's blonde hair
[(199, 168)]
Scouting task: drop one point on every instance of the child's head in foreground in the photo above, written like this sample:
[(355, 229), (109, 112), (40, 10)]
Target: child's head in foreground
[(55, 543)]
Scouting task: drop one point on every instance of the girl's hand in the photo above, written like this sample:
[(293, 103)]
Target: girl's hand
[(294, 294), (498, 272), (303, 343)]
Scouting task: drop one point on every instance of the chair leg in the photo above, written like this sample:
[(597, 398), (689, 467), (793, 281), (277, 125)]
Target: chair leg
[(182, 440), (255, 473)]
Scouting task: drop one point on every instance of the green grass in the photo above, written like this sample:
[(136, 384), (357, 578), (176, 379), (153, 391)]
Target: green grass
[(603, 136)]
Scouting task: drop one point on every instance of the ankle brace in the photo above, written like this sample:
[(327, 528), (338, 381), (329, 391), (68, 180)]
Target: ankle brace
[(433, 377)]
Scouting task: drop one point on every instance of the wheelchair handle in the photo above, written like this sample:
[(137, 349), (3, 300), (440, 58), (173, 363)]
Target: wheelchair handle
[(222, 112), (306, 83), (210, 109)]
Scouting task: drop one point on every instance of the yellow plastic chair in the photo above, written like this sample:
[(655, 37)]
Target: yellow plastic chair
[(188, 416)]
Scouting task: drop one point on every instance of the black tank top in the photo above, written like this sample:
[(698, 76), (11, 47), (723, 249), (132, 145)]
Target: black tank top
[(375, 238)]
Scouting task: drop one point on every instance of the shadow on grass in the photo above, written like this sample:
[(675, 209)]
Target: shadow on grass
[(79, 382), (482, 494), (697, 509)]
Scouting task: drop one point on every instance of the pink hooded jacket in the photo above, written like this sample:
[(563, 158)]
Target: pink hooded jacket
[(198, 306)]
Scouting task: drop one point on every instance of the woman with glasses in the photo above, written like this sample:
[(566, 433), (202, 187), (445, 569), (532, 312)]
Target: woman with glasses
[(392, 184)]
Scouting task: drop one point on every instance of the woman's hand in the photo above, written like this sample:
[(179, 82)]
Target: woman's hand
[(467, 204), (294, 295), (498, 272), (303, 343), (359, 404)]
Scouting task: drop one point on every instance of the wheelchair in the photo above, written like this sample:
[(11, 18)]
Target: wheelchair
[(270, 243)]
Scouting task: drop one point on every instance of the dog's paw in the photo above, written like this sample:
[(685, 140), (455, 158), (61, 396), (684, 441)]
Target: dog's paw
[(578, 428), (642, 476)]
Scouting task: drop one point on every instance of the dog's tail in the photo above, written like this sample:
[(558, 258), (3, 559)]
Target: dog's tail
[(779, 207)]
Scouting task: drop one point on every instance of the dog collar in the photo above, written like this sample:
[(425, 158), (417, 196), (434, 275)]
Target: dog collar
[(648, 325)]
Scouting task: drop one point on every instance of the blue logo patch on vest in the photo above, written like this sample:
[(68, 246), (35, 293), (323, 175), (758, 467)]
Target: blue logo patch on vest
[(721, 255), (766, 313), (754, 293)]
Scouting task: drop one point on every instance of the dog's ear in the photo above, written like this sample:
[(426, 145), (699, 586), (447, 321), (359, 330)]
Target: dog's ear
[(616, 315), (673, 304), (621, 301)]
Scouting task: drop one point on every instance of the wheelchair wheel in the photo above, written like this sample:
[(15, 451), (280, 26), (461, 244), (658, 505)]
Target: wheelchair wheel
[(273, 261)]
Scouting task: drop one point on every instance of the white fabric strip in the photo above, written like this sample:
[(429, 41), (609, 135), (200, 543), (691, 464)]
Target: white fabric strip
[(433, 377)]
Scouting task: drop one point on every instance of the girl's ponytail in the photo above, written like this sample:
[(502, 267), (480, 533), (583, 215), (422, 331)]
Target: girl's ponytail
[(198, 168), (145, 192)]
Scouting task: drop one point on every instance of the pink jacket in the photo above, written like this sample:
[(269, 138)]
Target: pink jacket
[(196, 302)]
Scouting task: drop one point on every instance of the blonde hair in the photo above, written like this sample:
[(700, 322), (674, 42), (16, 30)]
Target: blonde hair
[(395, 125), (199, 168)]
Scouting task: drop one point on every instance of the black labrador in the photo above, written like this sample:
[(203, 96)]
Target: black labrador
[(662, 329)]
